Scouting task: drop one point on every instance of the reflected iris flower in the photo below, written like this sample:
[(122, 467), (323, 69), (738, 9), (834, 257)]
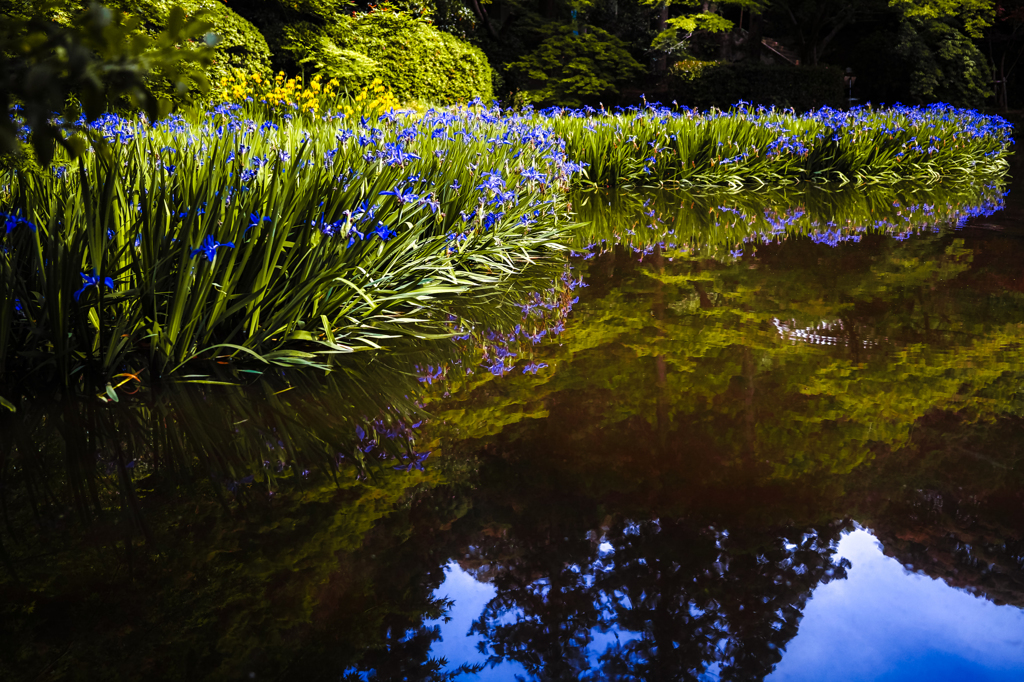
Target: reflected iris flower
[(416, 463), (534, 367)]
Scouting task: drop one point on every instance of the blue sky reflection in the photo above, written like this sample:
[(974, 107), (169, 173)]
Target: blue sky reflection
[(884, 623)]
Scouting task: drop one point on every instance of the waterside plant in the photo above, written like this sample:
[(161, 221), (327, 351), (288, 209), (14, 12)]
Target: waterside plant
[(220, 236), (657, 145), (312, 223)]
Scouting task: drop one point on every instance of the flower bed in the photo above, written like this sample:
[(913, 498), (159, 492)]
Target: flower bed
[(224, 236), (657, 145), (285, 235)]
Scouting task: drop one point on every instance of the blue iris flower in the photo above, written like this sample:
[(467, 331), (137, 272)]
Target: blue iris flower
[(209, 246), (405, 196), (535, 175), (383, 231), (13, 220), (491, 181), (93, 280), (254, 220), (354, 237), (432, 202)]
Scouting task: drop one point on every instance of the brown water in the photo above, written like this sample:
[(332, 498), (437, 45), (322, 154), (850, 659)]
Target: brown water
[(744, 437)]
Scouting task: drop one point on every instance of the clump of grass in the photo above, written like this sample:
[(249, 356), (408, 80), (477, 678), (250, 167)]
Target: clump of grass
[(657, 145), (223, 236), (256, 434)]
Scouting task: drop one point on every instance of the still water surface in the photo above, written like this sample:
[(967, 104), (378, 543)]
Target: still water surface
[(742, 437)]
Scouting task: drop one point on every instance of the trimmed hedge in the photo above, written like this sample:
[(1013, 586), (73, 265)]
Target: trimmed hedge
[(241, 45), (723, 84), (414, 59)]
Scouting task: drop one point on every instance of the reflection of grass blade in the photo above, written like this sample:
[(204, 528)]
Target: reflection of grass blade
[(715, 222)]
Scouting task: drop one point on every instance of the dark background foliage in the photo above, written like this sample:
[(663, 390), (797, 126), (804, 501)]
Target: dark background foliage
[(572, 52), (722, 84)]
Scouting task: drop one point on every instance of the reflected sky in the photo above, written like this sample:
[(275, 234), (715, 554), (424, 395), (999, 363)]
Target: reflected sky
[(883, 622), (457, 645)]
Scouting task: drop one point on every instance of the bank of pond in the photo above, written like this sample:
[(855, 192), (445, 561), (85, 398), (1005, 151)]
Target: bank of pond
[(246, 235)]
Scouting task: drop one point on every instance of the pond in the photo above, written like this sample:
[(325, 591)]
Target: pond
[(740, 436)]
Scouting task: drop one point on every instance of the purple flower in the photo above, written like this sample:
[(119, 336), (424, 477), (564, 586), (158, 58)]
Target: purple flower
[(209, 246), (93, 280), (12, 221), (405, 196)]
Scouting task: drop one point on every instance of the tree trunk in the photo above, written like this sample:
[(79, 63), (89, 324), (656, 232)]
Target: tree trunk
[(754, 36), (661, 66), (1002, 81), (481, 15)]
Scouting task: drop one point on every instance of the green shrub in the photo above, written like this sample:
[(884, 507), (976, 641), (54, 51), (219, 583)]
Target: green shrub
[(570, 69), (943, 63), (722, 84), (414, 59), (241, 45)]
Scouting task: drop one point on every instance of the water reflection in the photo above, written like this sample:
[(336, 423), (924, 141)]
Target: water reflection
[(730, 224), (650, 460), (691, 596), (933, 633)]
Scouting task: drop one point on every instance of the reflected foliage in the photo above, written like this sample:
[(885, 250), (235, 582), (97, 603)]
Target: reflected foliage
[(679, 597), (650, 458)]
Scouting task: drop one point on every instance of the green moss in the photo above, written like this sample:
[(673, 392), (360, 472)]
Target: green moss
[(414, 59)]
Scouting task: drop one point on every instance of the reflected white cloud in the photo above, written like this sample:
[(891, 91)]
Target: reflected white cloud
[(881, 624), (456, 644), (886, 624)]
